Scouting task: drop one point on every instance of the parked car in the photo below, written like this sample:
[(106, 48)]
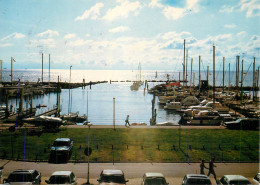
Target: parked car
[(61, 150), (62, 177), (256, 179), (154, 179), (233, 179), (243, 123), (24, 177), (196, 179), (112, 177)]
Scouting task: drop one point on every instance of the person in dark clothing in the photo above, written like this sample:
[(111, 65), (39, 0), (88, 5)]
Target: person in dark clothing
[(211, 168), (127, 121), (202, 166)]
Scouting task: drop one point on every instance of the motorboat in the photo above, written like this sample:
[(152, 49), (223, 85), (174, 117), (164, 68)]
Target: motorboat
[(173, 106)]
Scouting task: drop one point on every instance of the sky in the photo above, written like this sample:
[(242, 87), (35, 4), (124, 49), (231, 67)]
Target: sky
[(120, 34)]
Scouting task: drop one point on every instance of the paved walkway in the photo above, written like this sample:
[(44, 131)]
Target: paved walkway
[(174, 172)]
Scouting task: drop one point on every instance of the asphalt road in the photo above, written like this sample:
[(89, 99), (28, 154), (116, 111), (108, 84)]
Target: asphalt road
[(174, 172)]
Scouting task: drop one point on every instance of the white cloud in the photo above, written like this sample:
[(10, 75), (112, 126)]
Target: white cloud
[(5, 45), (48, 33), (226, 9), (92, 13), (87, 35), (13, 36), (241, 34), (252, 7), (119, 29), (123, 10), (155, 3), (230, 26), (48, 43), (174, 13), (70, 36), (79, 42)]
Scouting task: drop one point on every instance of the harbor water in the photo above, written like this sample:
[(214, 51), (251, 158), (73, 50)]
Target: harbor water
[(97, 102)]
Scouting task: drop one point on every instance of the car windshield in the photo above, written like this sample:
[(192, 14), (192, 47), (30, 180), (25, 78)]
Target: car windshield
[(61, 143), (59, 179), (20, 177), (239, 182), (198, 181), (155, 181), (113, 178)]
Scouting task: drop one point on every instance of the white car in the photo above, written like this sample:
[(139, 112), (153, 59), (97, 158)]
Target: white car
[(195, 179), (154, 178), (62, 177), (233, 179), (256, 179)]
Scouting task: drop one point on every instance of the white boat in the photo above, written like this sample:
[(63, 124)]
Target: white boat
[(173, 106), (45, 121), (206, 117)]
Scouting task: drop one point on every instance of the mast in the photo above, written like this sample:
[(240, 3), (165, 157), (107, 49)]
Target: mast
[(42, 67), (241, 91), (213, 76), (223, 73), (1, 72), (49, 68), (184, 64), (229, 77), (186, 79), (11, 70), (191, 73), (199, 74), (254, 79)]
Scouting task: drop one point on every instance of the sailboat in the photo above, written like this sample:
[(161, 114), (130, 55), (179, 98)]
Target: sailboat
[(135, 86)]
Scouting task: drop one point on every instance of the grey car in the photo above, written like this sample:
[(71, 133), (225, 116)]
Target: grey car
[(24, 177), (196, 179)]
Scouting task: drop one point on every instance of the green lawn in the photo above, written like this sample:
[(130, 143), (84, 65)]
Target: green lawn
[(139, 145)]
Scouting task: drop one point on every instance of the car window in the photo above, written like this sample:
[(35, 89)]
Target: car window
[(113, 178), (72, 176), (155, 181), (59, 179), (20, 177), (61, 143), (198, 181), (239, 182)]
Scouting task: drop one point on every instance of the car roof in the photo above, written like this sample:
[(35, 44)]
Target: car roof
[(235, 177), (62, 139), (152, 174), (112, 172), (197, 176), (62, 173), (23, 171)]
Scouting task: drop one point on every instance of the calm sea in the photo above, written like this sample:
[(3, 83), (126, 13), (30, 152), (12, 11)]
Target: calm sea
[(97, 102)]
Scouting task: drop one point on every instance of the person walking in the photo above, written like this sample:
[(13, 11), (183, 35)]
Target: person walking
[(202, 166), (211, 168), (127, 121)]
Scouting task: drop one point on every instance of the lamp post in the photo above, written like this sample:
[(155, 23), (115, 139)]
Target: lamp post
[(12, 60), (69, 92), (89, 125)]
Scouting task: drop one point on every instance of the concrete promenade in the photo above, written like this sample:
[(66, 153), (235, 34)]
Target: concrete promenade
[(173, 172)]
